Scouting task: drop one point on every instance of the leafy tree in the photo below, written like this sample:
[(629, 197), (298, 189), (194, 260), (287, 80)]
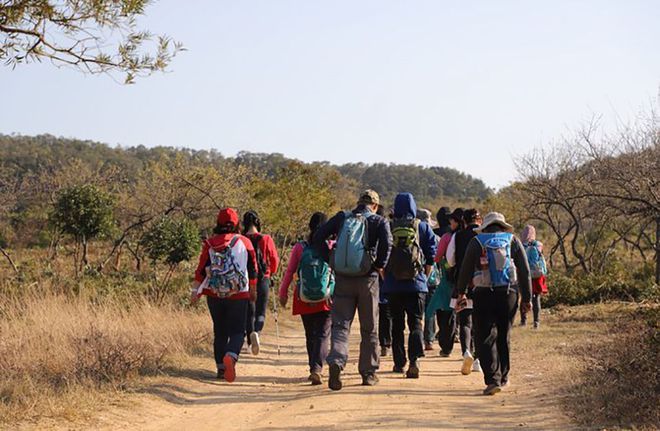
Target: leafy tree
[(84, 212), (95, 36)]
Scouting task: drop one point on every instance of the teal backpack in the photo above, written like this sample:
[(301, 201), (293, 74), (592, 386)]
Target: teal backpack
[(434, 277), (537, 267), (316, 283), (351, 257)]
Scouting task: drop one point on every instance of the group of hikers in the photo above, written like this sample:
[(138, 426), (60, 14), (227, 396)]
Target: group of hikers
[(462, 277)]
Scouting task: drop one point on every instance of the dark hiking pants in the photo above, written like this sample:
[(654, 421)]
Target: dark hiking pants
[(446, 329), (495, 310), (228, 327), (317, 337), (408, 305), (361, 294), (256, 313), (385, 325), (536, 309), (465, 330)]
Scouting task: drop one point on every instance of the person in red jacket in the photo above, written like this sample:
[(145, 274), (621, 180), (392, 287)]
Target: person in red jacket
[(315, 317), (267, 263), (227, 276)]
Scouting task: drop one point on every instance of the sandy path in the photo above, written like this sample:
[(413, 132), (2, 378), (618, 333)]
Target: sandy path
[(271, 393)]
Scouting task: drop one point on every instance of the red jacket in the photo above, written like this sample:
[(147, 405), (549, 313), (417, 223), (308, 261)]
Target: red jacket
[(268, 252), (245, 255)]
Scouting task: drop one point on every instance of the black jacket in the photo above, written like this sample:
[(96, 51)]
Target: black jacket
[(461, 242)]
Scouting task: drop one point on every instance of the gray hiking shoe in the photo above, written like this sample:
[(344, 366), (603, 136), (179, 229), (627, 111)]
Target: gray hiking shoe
[(370, 379), (492, 389), (334, 381), (315, 378)]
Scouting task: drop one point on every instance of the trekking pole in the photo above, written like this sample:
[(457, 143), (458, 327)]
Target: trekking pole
[(276, 316)]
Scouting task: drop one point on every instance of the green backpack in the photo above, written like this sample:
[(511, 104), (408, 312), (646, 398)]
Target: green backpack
[(316, 282), (406, 257)]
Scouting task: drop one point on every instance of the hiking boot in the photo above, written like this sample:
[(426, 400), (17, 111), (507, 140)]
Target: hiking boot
[(536, 325), (413, 371), (476, 366), (398, 370), (315, 378), (255, 344), (334, 381), (230, 368), (370, 379), (492, 389), (428, 346), (468, 360), (384, 351), (444, 354)]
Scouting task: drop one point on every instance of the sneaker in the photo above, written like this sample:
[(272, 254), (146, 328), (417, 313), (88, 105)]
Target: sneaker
[(334, 382), (221, 374), (444, 354), (384, 351), (536, 325), (254, 343), (413, 371), (505, 384), (370, 379), (428, 346), (316, 379), (398, 370), (230, 368), (492, 389), (476, 366), (468, 360)]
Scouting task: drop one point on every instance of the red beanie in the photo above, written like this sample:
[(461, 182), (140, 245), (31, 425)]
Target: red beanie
[(227, 216)]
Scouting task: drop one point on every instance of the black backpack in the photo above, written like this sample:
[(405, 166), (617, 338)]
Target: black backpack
[(262, 267), (406, 257)]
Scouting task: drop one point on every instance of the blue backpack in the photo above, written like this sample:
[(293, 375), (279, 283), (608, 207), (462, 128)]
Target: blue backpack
[(351, 256), (316, 283), (537, 267), (495, 267)]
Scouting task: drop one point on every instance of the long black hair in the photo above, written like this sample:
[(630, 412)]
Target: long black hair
[(219, 229), (251, 218), (316, 221)]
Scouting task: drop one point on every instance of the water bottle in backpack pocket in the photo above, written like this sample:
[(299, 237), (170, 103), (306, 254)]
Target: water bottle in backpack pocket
[(495, 267), (316, 282), (406, 257), (224, 278), (351, 256)]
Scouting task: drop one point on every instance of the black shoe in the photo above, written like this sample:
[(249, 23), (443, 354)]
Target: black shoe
[(444, 354), (316, 379), (413, 371), (221, 375), (398, 370), (334, 381), (370, 379)]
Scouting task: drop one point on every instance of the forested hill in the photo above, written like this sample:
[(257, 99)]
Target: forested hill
[(25, 154)]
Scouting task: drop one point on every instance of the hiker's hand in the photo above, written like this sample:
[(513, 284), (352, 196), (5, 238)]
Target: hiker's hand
[(526, 307), (253, 294), (461, 302), (381, 273), (193, 297), (283, 301)]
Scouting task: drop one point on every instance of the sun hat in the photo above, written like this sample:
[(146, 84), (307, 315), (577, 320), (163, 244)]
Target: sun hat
[(425, 215), (494, 218)]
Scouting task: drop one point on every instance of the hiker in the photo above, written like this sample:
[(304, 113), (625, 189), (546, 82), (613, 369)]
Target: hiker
[(496, 265), (227, 275), (538, 270), (311, 296), (440, 303), (432, 282), (267, 263), (443, 222), (464, 311), (358, 259), (411, 261), (384, 315)]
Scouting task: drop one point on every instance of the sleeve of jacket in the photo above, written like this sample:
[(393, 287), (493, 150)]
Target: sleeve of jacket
[(429, 243), (273, 257), (522, 269), (253, 272), (384, 244), (472, 255), (451, 251), (200, 272), (443, 244), (291, 269), (325, 231)]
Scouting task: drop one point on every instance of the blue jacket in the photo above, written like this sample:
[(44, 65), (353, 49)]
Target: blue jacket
[(405, 206)]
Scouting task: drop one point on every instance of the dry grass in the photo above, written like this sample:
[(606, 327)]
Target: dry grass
[(59, 356)]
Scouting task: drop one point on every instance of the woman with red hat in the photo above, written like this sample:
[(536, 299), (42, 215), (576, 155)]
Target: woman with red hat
[(227, 275)]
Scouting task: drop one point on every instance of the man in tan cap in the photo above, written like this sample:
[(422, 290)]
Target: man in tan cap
[(495, 263), (361, 252)]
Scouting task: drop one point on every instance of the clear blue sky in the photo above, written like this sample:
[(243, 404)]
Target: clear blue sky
[(459, 84)]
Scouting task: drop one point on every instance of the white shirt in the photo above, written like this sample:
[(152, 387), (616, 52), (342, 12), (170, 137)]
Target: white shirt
[(451, 251)]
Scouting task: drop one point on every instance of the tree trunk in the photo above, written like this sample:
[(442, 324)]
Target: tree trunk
[(85, 259), (657, 250), (9, 259)]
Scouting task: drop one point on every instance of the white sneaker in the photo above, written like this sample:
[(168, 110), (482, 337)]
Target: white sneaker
[(254, 343), (476, 367), (468, 360)]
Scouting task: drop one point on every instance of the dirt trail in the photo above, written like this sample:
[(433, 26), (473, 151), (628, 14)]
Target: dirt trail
[(271, 393)]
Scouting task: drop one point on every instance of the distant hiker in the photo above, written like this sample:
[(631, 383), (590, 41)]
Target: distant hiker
[(311, 296), (440, 303), (267, 263), (432, 282), (455, 254), (384, 315), (227, 275), (358, 258), (443, 221), (411, 260), (538, 270), (496, 265)]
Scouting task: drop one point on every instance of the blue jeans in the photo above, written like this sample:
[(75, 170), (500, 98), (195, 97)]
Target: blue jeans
[(228, 327)]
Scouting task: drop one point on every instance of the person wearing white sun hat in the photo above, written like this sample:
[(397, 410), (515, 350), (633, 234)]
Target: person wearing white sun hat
[(496, 264)]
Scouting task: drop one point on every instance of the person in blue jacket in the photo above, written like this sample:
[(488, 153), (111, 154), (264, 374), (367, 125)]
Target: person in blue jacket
[(406, 290)]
